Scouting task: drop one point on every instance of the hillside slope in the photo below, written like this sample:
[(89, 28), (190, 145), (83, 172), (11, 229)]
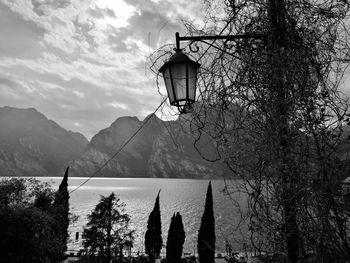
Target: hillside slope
[(160, 149), (32, 145)]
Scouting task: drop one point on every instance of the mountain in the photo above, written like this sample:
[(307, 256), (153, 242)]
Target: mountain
[(32, 145), (79, 138), (160, 149)]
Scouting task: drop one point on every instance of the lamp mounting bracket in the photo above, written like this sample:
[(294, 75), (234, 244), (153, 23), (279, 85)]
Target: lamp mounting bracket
[(194, 39)]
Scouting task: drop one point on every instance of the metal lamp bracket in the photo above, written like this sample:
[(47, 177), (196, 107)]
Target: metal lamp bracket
[(194, 39)]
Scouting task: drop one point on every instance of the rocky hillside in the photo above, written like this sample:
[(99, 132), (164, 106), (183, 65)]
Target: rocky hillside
[(161, 149), (32, 145)]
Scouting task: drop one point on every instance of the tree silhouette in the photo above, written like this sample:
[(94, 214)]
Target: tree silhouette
[(153, 236), (176, 239), (206, 233), (60, 210), (107, 231), (27, 228)]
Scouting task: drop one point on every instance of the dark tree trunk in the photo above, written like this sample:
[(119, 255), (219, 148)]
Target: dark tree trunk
[(279, 90)]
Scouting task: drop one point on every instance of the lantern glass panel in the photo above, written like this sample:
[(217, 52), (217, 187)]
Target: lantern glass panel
[(169, 85), (178, 71), (192, 79)]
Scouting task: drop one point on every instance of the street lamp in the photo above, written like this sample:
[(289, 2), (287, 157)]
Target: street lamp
[(180, 72), (180, 77)]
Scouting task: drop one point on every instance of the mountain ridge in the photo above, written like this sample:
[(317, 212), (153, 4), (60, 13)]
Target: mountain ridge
[(33, 145), (152, 152)]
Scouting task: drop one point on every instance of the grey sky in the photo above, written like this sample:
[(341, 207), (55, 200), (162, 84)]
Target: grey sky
[(83, 63)]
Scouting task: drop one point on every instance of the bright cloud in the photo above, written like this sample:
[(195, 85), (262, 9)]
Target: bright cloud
[(121, 10), (116, 104)]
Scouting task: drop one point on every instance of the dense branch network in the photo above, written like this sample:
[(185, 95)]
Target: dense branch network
[(276, 112)]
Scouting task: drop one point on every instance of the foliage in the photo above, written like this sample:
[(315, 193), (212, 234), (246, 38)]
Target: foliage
[(27, 228), (206, 233), (275, 109), (153, 236), (107, 231), (176, 239), (27, 236), (19, 192)]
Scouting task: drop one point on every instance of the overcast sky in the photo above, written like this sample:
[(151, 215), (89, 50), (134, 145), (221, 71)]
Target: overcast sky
[(83, 63)]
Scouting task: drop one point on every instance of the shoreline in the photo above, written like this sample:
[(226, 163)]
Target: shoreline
[(126, 178)]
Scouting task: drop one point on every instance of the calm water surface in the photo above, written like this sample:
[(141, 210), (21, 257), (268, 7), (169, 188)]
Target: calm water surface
[(185, 196)]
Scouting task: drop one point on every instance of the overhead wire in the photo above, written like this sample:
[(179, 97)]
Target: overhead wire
[(120, 149), (140, 128), (171, 136)]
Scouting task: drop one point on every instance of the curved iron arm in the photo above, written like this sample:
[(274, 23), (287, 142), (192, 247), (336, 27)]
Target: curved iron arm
[(218, 48), (194, 49)]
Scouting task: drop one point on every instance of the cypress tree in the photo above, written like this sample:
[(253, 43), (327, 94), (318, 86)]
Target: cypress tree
[(206, 233), (60, 210), (170, 244), (180, 234), (176, 239), (153, 236)]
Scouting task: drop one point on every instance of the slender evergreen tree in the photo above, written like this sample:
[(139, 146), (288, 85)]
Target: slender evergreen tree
[(180, 234), (170, 244), (60, 210), (176, 239), (153, 236), (206, 233)]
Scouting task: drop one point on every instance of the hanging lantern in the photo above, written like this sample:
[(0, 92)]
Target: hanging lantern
[(180, 77)]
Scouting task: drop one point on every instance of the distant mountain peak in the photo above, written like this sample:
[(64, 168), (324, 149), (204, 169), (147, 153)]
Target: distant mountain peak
[(10, 108), (32, 145), (155, 151), (153, 116), (125, 119)]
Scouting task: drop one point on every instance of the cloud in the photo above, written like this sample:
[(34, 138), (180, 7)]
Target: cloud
[(147, 25), (121, 12), (100, 13), (119, 105), (19, 38), (155, 23), (83, 61)]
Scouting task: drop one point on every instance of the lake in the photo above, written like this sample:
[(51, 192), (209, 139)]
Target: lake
[(186, 196)]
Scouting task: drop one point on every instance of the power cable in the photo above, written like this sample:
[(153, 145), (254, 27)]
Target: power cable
[(120, 149), (171, 136), (138, 130)]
